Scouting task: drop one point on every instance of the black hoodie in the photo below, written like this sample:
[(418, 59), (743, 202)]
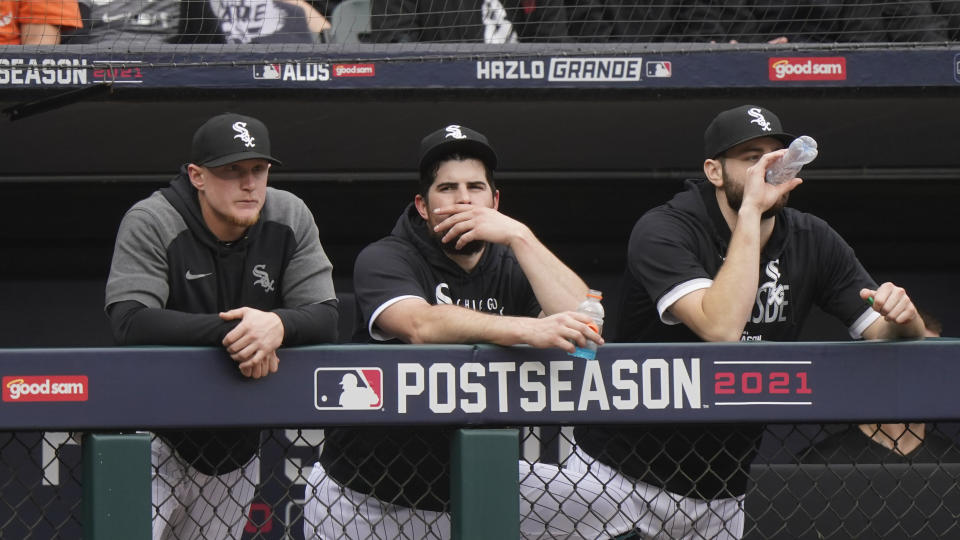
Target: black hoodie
[(804, 262), (170, 277), (411, 467)]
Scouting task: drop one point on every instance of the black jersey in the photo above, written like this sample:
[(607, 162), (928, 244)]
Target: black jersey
[(404, 466), (678, 248)]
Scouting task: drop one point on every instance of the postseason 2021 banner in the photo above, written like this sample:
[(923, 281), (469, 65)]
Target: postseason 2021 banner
[(47, 393), (148, 388)]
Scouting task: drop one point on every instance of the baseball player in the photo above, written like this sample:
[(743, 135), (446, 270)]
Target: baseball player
[(726, 260), (454, 270), (217, 258)]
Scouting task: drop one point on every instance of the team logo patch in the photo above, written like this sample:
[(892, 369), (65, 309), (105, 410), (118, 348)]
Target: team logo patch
[(454, 132), (757, 114), (263, 278), (243, 134), (353, 389)]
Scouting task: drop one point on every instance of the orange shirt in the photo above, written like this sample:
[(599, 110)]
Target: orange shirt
[(13, 13)]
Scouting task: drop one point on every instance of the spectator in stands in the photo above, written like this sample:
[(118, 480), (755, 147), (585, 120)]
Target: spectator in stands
[(726, 260), (127, 22), (249, 21), (36, 22), (218, 259), (454, 270), (887, 443), (748, 21), (622, 21), (896, 21), (820, 21), (478, 21), (950, 11)]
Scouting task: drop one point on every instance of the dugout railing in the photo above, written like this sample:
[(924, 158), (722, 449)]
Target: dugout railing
[(109, 392)]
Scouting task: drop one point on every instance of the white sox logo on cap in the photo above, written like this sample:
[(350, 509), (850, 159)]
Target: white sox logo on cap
[(757, 114), (243, 134), (454, 131)]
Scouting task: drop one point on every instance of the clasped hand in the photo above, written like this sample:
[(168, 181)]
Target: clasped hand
[(254, 342)]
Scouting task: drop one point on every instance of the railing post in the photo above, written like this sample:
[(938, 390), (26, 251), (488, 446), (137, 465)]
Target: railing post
[(484, 487), (116, 487)]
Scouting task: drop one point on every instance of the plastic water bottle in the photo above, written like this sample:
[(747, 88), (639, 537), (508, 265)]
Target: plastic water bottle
[(801, 151), (594, 309)]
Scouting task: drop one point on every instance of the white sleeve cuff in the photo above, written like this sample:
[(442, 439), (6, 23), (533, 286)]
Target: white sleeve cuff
[(863, 322), (376, 334), (677, 293)]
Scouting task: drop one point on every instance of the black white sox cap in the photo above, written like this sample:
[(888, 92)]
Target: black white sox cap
[(230, 137), (739, 125), (452, 139)]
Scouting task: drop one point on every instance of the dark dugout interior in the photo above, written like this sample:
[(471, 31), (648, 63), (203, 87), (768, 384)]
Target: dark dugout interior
[(578, 166)]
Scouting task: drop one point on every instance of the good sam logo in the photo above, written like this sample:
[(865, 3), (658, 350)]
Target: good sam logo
[(354, 70), (45, 388), (808, 69)]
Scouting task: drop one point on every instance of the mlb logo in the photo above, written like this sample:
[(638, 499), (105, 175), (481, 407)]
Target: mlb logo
[(351, 389), (661, 69), (267, 71)]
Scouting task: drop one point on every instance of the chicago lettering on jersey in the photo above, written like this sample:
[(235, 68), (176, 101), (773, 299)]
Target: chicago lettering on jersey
[(489, 305), (625, 384)]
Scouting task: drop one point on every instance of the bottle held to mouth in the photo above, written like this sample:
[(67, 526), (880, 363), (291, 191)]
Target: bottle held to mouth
[(801, 151)]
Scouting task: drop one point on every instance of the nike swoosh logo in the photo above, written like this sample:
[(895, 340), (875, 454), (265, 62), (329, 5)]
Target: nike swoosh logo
[(192, 277), (107, 18)]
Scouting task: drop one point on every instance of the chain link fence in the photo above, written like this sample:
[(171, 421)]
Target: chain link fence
[(802, 481)]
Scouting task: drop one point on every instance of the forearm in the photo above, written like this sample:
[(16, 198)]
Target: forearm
[(884, 329), (310, 324), (728, 302), (455, 324), (556, 286), (39, 34), (135, 324)]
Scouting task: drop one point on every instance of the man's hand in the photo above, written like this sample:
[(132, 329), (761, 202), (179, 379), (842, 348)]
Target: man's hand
[(561, 330), (757, 193), (900, 318), (260, 368), (254, 342), (467, 222), (892, 302)]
